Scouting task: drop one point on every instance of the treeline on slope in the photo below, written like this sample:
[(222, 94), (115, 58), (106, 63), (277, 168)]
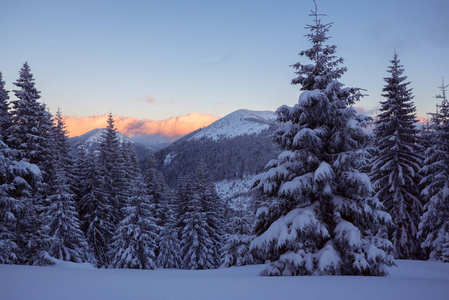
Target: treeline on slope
[(96, 206), (228, 158)]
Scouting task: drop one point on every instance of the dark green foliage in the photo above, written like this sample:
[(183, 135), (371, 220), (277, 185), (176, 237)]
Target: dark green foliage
[(434, 225), (96, 212), (5, 118), (316, 212), (230, 158), (397, 162)]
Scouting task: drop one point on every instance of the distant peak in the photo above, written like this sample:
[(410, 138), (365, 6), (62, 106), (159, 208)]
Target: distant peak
[(238, 123)]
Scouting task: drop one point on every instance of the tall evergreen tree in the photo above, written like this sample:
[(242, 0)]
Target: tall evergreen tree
[(156, 188), (196, 243), (112, 167), (30, 138), (213, 208), (397, 162), (5, 118), (29, 133), (195, 240), (317, 214), (96, 212), (62, 147), (17, 180), (135, 240), (169, 256), (67, 241), (434, 225), (237, 248), (80, 169)]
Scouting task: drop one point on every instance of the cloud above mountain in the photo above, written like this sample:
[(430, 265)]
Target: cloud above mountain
[(173, 128)]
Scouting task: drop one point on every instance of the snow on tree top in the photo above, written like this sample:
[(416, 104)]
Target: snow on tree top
[(238, 123)]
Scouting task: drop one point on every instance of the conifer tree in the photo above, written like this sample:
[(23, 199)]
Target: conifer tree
[(317, 214), (62, 148), (81, 165), (214, 210), (67, 241), (397, 162), (17, 179), (5, 118), (29, 134), (196, 244), (195, 240), (434, 225), (156, 188), (96, 212), (237, 248), (169, 256), (112, 167), (30, 140), (134, 241)]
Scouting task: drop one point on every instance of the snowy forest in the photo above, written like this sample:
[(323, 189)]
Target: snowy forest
[(338, 200)]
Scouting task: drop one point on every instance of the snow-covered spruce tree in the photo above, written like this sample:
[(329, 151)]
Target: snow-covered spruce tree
[(81, 166), (434, 225), (62, 148), (214, 210), (5, 118), (135, 239), (397, 162), (112, 167), (196, 244), (236, 250), (155, 184), (67, 241), (169, 256), (17, 180), (30, 140), (318, 215), (95, 211), (30, 132)]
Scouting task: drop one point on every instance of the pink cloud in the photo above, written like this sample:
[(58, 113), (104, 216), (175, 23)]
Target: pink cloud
[(175, 126), (150, 99)]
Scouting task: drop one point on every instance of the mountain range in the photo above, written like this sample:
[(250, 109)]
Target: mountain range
[(91, 142), (234, 146)]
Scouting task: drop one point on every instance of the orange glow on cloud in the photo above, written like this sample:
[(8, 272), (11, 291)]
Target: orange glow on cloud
[(172, 127)]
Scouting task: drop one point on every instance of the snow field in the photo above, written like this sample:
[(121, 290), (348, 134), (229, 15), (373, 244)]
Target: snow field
[(410, 280)]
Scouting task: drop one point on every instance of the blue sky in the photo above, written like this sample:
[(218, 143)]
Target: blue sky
[(158, 59)]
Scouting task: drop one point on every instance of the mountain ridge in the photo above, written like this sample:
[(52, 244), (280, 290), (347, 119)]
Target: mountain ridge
[(235, 146)]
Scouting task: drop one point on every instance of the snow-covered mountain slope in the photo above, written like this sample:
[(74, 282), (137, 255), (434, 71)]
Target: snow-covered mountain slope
[(94, 137), (91, 141), (235, 146), (238, 123), (235, 192)]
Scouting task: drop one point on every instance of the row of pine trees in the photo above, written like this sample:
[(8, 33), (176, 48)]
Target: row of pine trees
[(95, 207), (335, 201)]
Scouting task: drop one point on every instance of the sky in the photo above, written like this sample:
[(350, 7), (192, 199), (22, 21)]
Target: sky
[(198, 60)]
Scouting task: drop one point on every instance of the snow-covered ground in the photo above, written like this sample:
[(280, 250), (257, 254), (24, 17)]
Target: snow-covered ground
[(235, 191), (66, 281)]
